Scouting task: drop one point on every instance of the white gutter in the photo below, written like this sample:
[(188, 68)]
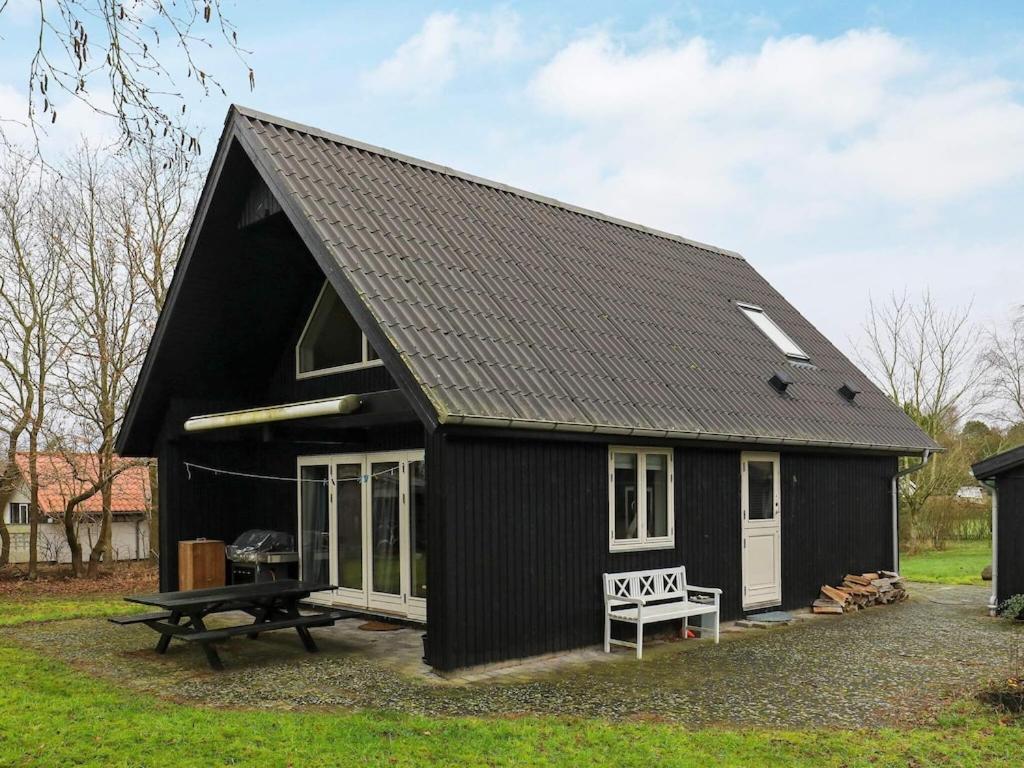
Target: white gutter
[(925, 458), (993, 601), (607, 429), (332, 406)]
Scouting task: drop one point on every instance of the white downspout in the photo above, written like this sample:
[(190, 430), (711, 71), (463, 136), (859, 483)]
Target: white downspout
[(925, 458), (993, 602)]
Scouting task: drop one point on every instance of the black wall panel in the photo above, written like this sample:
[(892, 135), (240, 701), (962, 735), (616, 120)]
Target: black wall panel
[(1010, 571), (523, 525)]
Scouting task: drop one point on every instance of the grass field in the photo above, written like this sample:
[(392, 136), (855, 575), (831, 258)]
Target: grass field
[(52, 714), (960, 563)]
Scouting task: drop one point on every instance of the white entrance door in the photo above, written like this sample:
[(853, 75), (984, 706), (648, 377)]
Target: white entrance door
[(362, 527), (761, 530)]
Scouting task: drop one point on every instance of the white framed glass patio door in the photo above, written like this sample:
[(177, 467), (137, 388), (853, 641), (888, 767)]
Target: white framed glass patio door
[(761, 529), (362, 527)]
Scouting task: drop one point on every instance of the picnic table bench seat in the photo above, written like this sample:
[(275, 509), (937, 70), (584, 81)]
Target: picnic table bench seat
[(662, 594)]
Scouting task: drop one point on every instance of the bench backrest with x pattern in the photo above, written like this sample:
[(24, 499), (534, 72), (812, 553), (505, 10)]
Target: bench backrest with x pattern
[(653, 585)]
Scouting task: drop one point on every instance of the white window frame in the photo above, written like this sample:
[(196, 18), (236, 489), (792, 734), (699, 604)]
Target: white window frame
[(365, 598), (770, 329), (643, 541), (22, 511), (364, 363)]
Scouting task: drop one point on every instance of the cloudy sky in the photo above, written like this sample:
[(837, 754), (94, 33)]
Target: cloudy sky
[(846, 150)]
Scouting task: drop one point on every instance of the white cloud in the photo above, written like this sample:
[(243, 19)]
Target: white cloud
[(803, 129), (432, 57)]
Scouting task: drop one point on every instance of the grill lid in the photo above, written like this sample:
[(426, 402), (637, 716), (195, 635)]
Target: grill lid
[(256, 541)]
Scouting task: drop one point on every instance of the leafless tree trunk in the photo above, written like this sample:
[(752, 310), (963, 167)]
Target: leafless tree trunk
[(924, 358), (108, 306), (83, 490), (153, 214), (33, 291)]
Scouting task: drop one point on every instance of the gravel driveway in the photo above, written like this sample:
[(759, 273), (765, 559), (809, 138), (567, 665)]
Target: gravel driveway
[(888, 665)]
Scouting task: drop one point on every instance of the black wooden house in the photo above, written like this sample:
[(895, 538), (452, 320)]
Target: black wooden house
[(1004, 476), (483, 399)]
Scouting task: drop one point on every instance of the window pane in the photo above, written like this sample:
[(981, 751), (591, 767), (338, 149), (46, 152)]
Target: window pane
[(777, 336), (350, 526), (418, 528), (761, 489), (626, 520), (657, 494), (371, 353), (332, 337), (384, 528), (315, 556)]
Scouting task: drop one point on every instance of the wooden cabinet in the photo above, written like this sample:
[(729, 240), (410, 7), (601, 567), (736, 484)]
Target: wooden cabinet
[(200, 564)]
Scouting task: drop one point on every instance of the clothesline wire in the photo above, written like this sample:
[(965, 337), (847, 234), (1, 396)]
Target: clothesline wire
[(189, 466)]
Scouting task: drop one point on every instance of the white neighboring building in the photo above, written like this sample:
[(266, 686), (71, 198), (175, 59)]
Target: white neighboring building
[(972, 493), (62, 477)]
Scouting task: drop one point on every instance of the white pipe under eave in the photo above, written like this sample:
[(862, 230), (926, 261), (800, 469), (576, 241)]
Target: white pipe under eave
[(332, 406), (993, 601)]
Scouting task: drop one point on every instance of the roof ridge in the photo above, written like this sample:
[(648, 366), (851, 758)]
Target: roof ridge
[(454, 172)]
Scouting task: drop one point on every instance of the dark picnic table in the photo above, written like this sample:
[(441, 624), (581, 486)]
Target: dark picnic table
[(272, 605)]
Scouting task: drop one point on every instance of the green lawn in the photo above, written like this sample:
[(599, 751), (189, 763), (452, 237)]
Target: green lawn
[(960, 563), (13, 612), (51, 714)]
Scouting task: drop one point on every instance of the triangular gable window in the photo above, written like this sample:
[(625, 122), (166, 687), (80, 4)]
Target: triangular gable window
[(331, 341)]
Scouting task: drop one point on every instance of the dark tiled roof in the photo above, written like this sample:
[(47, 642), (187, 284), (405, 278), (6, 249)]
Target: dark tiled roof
[(517, 310), (999, 464)]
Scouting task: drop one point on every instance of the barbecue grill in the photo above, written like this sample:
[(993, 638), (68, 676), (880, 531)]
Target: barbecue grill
[(260, 555)]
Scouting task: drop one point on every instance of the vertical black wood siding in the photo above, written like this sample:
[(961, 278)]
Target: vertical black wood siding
[(836, 519), (519, 537), (1010, 570)]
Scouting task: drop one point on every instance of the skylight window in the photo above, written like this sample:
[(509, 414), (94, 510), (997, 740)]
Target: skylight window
[(776, 335)]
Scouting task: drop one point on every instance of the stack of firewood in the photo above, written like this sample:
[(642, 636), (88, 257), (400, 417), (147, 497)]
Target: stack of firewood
[(861, 591)]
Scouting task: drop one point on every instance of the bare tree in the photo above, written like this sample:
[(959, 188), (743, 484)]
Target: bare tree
[(151, 217), (33, 291), (108, 307), (924, 358), (17, 327), (1004, 360), (137, 51), (152, 214)]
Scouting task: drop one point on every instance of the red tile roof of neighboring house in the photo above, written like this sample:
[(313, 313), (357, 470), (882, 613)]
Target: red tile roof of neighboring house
[(63, 476)]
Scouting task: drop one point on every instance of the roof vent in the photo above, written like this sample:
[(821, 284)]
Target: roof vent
[(780, 380), (849, 391)]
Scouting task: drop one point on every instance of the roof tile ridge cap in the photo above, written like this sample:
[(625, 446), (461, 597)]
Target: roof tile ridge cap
[(465, 176)]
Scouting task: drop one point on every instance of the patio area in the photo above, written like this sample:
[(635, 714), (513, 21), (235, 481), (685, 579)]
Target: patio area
[(892, 665)]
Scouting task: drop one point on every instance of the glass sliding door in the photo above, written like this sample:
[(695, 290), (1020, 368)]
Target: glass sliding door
[(349, 529), (362, 524), (314, 523), (417, 549), (385, 533)]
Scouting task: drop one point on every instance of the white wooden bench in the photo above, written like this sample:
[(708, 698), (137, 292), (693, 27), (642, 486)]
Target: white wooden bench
[(645, 597)]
